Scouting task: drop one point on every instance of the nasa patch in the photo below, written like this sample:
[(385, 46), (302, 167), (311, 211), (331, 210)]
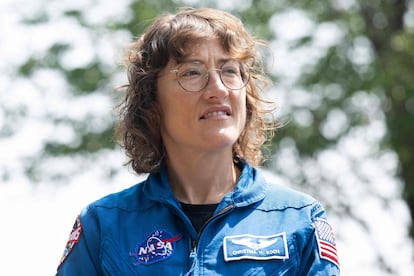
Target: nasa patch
[(74, 237), (159, 246)]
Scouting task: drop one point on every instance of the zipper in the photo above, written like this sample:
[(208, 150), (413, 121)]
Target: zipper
[(194, 243), (219, 214), (222, 212)]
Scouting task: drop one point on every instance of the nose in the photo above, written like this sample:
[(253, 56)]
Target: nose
[(215, 86)]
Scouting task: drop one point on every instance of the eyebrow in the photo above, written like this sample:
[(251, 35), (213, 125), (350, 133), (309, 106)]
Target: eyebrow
[(219, 61)]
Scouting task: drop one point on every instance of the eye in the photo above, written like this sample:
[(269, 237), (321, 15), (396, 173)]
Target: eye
[(191, 70), (190, 73), (231, 68)]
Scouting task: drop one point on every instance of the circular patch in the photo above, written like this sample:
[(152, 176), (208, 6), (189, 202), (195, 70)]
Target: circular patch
[(159, 246)]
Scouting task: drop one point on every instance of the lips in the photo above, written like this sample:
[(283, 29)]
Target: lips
[(216, 112)]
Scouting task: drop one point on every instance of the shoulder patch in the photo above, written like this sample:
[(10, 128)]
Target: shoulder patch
[(74, 237), (326, 241)]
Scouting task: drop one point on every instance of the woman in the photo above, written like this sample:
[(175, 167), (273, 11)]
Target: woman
[(192, 118)]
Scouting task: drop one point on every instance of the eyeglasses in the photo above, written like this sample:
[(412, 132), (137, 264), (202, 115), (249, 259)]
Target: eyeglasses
[(194, 76)]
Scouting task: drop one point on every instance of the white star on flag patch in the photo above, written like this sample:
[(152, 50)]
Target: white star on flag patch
[(326, 241)]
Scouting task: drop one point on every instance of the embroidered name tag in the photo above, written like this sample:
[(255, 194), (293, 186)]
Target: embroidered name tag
[(253, 247)]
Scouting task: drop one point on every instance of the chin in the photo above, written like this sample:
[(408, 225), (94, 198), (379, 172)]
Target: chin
[(222, 142)]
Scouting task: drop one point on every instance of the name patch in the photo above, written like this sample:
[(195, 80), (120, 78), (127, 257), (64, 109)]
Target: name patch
[(159, 246), (253, 247)]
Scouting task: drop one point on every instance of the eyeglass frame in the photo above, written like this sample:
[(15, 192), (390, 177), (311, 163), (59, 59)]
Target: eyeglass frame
[(245, 73)]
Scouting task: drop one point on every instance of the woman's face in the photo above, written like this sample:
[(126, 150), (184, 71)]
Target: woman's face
[(205, 121)]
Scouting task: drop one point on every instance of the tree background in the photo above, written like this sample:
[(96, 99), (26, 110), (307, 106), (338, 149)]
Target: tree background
[(342, 75)]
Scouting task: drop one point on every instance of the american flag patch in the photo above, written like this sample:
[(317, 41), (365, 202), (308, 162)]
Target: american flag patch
[(326, 241)]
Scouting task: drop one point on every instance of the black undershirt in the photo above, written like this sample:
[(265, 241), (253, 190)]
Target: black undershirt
[(199, 213)]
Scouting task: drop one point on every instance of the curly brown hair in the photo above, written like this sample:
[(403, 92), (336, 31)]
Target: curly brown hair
[(169, 37)]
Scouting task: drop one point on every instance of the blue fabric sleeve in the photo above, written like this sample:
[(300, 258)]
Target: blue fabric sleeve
[(319, 256), (81, 255)]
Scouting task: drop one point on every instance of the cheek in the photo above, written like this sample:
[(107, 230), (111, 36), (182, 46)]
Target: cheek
[(176, 112)]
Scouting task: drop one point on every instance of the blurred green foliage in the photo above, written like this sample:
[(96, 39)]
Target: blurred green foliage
[(389, 75), (377, 27)]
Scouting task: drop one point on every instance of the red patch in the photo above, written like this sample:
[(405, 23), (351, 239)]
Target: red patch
[(74, 237)]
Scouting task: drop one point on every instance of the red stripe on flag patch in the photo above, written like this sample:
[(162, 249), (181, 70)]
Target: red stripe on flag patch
[(326, 241)]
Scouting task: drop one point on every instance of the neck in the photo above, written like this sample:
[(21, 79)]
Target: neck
[(202, 179)]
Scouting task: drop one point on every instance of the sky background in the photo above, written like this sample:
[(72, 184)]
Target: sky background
[(37, 217)]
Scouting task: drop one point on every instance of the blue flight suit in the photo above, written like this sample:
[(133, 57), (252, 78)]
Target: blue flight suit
[(258, 229)]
